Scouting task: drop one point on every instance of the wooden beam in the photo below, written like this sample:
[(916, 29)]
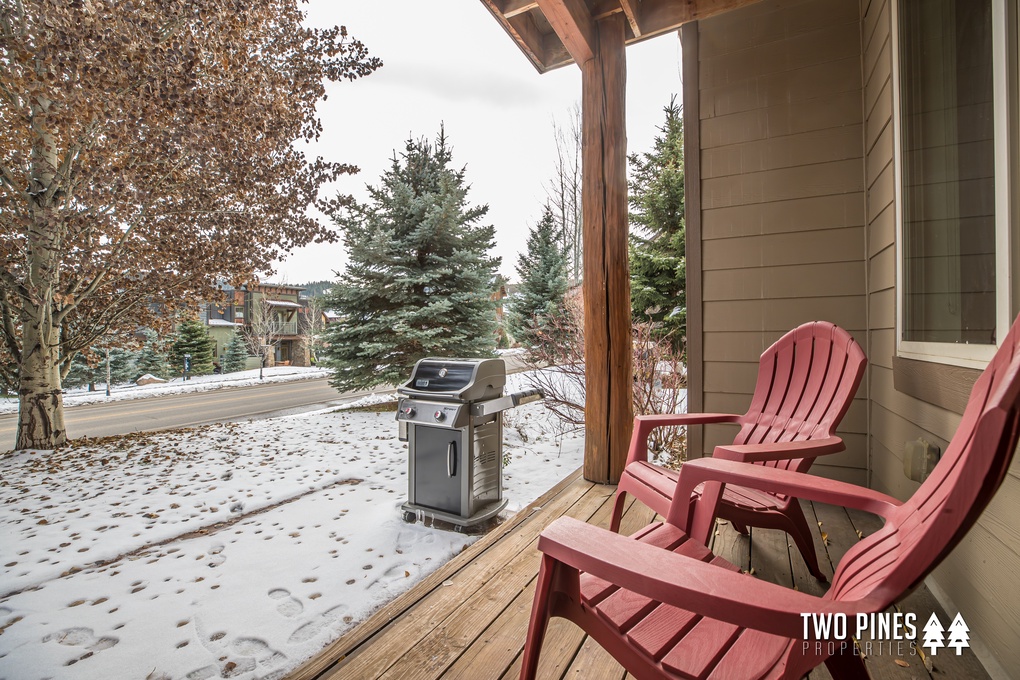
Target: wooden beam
[(511, 8), (532, 39), (600, 9), (630, 9), (522, 30), (572, 22), (606, 286)]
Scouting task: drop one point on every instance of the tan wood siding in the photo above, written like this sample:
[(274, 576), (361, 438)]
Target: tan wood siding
[(782, 196), (970, 578)]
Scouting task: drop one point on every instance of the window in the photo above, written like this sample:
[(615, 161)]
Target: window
[(953, 195)]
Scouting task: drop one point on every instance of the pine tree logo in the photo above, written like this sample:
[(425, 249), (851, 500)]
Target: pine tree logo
[(933, 634), (959, 634)]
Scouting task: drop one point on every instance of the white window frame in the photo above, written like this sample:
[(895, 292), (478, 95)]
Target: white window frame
[(972, 356)]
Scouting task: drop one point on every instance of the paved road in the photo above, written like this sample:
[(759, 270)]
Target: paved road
[(185, 410)]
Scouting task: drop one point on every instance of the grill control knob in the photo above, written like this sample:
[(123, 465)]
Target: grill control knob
[(409, 411), (439, 416)]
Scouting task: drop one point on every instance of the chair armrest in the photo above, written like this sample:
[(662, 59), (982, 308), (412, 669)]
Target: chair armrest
[(714, 473), (700, 587), (756, 453), (643, 426)]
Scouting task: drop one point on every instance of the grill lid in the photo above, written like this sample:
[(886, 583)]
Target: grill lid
[(456, 379)]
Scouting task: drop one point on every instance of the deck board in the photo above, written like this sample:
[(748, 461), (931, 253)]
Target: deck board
[(469, 619)]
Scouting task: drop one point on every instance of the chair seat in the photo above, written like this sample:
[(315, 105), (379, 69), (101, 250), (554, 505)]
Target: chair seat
[(661, 482), (680, 643)]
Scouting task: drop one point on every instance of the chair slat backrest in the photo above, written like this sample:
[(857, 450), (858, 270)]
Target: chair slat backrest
[(921, 532), (806, 382)]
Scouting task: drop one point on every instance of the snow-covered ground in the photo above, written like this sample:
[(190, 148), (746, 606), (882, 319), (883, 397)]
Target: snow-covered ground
[(231, 550), (201, 383)]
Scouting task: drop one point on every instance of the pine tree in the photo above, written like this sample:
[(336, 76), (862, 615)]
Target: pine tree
[(658, 251), (152, 360), (90, 368), (419, 280), (236, 357), (192, 338), (543, 274)]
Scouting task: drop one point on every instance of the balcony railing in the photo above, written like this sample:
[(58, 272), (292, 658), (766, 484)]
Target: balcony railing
[(285, 328)]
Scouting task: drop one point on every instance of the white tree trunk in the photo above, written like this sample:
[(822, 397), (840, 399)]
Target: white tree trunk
[(41, 404)]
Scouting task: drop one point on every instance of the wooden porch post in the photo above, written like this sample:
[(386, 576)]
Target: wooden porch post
[(607, 320)]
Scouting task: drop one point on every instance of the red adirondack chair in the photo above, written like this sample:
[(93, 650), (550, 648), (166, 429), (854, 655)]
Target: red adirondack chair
[(665, 607), (806, 381)]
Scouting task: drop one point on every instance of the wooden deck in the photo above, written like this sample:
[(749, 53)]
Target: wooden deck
[(469, 619)]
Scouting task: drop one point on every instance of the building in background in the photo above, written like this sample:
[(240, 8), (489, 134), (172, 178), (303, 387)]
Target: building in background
[(286, 311)]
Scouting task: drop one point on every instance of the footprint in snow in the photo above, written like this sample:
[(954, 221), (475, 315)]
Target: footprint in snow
[(81, 637), (289, 606), (311, 629), (216, 558), (254, 648)]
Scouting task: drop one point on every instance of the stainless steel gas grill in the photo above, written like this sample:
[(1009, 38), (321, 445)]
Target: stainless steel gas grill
[(449, 413)]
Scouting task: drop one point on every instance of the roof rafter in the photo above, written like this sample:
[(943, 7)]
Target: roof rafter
[(511, 8), (553, 33), (630, 8), (572, 22)]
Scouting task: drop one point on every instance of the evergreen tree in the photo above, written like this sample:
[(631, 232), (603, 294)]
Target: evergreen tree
[(192, 338), (152, 360), (658, 249), (90, 369), (236, 357), (419, 281), (543, 275)]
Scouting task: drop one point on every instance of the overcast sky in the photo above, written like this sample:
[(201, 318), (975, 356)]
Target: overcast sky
[(449, 61)]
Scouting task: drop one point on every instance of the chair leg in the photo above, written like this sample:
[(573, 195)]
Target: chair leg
[(614, 522), (801, 533), (740, 528), (539, 618)]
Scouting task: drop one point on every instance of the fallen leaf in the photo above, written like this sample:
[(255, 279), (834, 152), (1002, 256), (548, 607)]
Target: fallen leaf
[(407, 574), (901, 663)]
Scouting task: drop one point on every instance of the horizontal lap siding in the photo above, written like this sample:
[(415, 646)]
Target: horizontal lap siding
[(970, 578), (782, 196)]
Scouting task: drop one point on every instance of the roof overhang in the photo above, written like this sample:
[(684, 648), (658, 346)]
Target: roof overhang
[(554, 33)]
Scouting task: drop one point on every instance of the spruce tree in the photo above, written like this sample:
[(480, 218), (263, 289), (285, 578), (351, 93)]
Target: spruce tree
[(658, 249), (192, 338), (543, 281), (152, 360), (419, 280), (236, 357), (90, 369)]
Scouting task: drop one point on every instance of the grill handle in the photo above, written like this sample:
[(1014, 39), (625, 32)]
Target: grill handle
[(527, 396), (488, 408), (451, 459)]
